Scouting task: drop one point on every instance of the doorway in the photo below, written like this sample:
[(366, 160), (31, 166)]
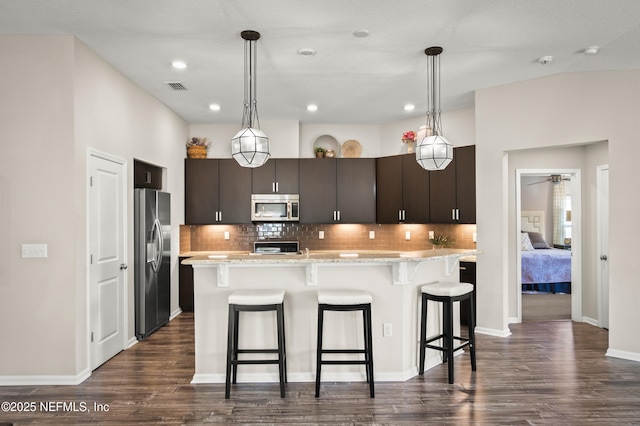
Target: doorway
[(549, 281), (107, 275)]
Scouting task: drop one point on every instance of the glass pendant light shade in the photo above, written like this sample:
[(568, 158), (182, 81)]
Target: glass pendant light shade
[(250, 147), (434, 153)]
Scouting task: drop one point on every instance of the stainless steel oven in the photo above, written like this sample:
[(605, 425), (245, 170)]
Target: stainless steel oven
[(275, 207)]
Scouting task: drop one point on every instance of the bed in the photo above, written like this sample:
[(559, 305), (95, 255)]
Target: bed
[(544, 269)]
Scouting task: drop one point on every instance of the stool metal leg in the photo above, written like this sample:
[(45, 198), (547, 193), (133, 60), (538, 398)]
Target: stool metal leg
[(319, 349), (423, 334), (369, 349), (230, 351), (448, 324), (236, 322), (281, 352), (472, 333)]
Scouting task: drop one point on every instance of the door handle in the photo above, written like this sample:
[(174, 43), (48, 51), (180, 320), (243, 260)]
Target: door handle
[(123, 266), (603, 257)]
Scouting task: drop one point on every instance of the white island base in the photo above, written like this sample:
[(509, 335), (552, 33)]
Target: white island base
[(394, 282)]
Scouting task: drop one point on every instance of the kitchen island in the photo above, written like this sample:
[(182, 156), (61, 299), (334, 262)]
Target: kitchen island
[(393, 278)]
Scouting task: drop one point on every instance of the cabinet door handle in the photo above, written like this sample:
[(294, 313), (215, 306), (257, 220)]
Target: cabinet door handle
[(404, 215), (399, 215), (216, 215), (273, 187), (457, 214), (463, 268), (334, 215), (220, 216), (338, 215), (453, 214)]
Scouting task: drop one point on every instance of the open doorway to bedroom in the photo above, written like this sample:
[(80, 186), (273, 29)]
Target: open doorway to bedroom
[(548, 255)]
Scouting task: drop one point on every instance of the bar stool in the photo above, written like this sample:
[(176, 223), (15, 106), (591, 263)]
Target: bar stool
[(254, 301), (447, 293), (346, 300)]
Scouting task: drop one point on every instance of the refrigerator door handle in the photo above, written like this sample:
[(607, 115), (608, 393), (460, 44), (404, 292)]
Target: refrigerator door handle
[(156, 232)]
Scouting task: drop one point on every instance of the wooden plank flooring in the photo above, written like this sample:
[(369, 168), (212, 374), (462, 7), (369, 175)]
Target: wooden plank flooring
[(544, 373)]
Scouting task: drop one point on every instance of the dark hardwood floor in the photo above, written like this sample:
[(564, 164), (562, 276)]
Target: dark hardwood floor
[(545, 372)]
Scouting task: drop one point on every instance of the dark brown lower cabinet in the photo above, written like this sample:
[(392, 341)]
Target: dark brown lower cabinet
[(185, 291), (468, 275)]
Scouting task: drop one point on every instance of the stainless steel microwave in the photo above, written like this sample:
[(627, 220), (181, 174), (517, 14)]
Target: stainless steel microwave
[(275, 207)]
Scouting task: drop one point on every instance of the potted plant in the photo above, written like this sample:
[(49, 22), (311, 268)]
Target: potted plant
[(440, 241), (197, 147), (320, 152)]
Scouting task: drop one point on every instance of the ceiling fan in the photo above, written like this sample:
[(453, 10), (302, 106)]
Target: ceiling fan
[(553, 179)]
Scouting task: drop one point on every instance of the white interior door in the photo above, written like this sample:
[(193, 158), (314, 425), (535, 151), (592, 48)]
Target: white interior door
[(107, 275), (603, 243)]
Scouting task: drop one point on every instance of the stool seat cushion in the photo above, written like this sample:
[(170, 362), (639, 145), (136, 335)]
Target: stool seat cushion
[(256, 297), (343, 297), (447, 288)]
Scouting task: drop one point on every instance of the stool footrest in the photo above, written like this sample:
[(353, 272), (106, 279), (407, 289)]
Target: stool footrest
[(343, 351), (255, 361), (346, 362), (257, 351)]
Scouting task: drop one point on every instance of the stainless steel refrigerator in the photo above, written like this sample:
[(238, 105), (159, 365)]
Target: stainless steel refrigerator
[(152, 260)]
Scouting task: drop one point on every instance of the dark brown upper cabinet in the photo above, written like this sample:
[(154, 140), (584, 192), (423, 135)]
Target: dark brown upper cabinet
[(217, 191), (146, 175), (339, 190), (276, 176), (402, 190), (453, 190)]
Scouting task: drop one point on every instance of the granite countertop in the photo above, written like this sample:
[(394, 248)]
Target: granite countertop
[(324, 256)]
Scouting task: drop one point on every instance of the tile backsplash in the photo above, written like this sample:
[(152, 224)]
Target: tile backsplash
[(336, 237)]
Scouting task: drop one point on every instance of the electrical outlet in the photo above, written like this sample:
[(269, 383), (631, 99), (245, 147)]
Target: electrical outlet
[(372, 235), (387, 329), (475, 237), (321, 235), (34, 250), (407, 235), (431, 235), (226, 235)]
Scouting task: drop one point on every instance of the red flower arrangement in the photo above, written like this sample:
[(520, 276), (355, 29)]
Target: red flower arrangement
[(409, 136)]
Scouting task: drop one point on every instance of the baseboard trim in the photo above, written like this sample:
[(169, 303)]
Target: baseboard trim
[(591, 321), (175, 314), (48, 380), (327, 376), (493, 332), (616, 353)]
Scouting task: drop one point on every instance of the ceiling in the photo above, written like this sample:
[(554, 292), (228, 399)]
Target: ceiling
[(351, 79)]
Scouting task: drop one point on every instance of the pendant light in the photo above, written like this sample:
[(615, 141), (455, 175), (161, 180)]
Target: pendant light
[(250, 146), (433, 152)]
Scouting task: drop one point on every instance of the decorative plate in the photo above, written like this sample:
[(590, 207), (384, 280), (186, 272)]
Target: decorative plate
[(351, 149)]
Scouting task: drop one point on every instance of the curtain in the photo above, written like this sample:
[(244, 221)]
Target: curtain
[(559, 212)]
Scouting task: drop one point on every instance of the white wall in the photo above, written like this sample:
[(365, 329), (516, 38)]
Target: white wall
[(565, 109), (58, 99)]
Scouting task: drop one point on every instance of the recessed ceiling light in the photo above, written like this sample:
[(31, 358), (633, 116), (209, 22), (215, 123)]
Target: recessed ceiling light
[(361, 33), (409, 107), (306, 51), (590, 51), (312, 107), (214, 107), (546, 60), (179, 65)]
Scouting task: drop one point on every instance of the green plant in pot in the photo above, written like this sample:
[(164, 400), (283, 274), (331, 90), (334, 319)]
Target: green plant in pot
[(440, 241), (320, 152)]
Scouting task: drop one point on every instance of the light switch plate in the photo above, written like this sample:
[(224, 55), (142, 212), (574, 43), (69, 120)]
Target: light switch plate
[(407, 235), (226, 235), (387, 329), (475, 237), (372, 235), (431, 235), (321, 235), (34, 250)]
